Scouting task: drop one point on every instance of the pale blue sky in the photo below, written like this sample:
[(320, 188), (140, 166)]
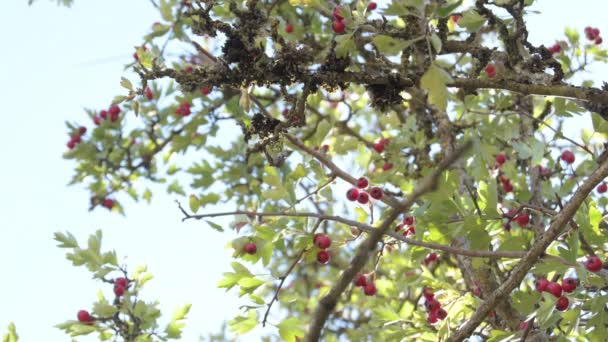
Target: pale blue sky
[(55, 62)]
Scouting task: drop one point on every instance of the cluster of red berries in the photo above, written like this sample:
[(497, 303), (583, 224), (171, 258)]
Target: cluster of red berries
[(108, 203), (250, 248), (323, 242), (522, 219), (75, 139), (149, 94), (432, 257), (490, 70), (368, 287), (183, 109), (361, 196), (379, 147), (433, 307), (408, 222), (593, 34), (111, 113), (568, 285), (567, 156), (120, 286), (555, 48), (506, 184), (338, 25)]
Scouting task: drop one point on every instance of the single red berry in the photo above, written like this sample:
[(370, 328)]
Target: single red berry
[(501, 158), (84, 316), (322, 241), (369, 289), (362, 183), (541, 285), (490, 70), (432, 305), (113, 116), (408, 220), (360, 280), (522, 219), (114, 109), (372, 6), (430, 258), (379, 147), (410, 230), (602, 188), (569, 284), (82, 130), (598, 40), (338, 14), (119, 290), (250, 248), (543, 171), (339, 26), (568, 157), (555, 289), (285, 112), (456, 18), (205, 91), (507, 186), (97, 120), (562, 304), (428, 294), (595, 32), (76, 138), (432, 318), (555, 48), (376, 192), (593, 264), (103, 114), (71, 144), (442, 314), (363, 197), (288, 28), (108, 203), (121, 282), (323, 257), (523, 325), (352, 194), (387, 166)]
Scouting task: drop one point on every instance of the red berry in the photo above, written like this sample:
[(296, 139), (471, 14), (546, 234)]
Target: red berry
[(477, 291), (205, 91), (363, 197), (288, 28), (555, 48), (593, 264), (119, 290), (442, 314), (84, 316), (522, 219), (189, 69), (376, 192), (339, 26), (97, 120), (352, 194), (71, 144), (250, 248), (507, 186), (432, 305), (372, 6), (149, 94), (113, 117), (602, 188), (501, 158), (362, 183), (490, 70), (568, 157), (323, 257), (369, 289), (82, 130), (432, 318), (379, 147), (430, 258), (285, 112), (523, 325), (360, 280), (541, 284), (338, 14), (598, 40), (428, 294), (184, 109), (408, 220), (562, 304), (569, 284), (410, 230), (456, 18), (103, 114), (387, 166), (108, 203), (555, 289), (114, 109), (121, 282), (322, 241)]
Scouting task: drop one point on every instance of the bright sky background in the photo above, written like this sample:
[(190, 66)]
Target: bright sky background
[(56, 61)]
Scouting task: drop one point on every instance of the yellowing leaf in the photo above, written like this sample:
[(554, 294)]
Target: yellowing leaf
[(434, 80), (194, 203)]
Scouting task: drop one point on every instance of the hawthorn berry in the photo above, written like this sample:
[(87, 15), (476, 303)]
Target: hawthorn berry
[(555, 48), (360, 280), (387, 166), (408, 220), (410, 230), (379, 147), (289, 28), (371, 6), (205, 91), (323, 257), (82, 130), (456, 18), (490, 70), (428, 294), (250, 248), (121, 282), (363, 197), (376, 192), (103, 114), (569, 284), (149, 94), (593, 264), (322, 241), (184, 109), (477, 291), (522, 219), (442, 314), (108, 203), (541, 284), (507, 186), (432, 305), (352, 194), (501, 158), (339, 26), (97, 120), (71, 144), (84, 317), (430, 258), (119, 290), (562, 303), (598, 40), (338, 14), (602, 188), (369, 289), (114, 110), (555, 289), (567, 156), (362, 183)]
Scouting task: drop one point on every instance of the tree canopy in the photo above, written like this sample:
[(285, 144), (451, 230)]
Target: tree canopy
[(395, 171)]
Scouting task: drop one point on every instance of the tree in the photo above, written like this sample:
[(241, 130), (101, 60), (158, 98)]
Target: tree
[(399, 171)]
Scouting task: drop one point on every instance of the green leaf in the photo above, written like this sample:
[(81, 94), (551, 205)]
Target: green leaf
[(392, 46), (345, 45), (125, 83), (434, 80), (471, 20), (215, 226), (166, 10), (174, 328), (290, 328), (66, 240), (488, 197), (194, 203), (11, 336), (242, 325), (446, 10)]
